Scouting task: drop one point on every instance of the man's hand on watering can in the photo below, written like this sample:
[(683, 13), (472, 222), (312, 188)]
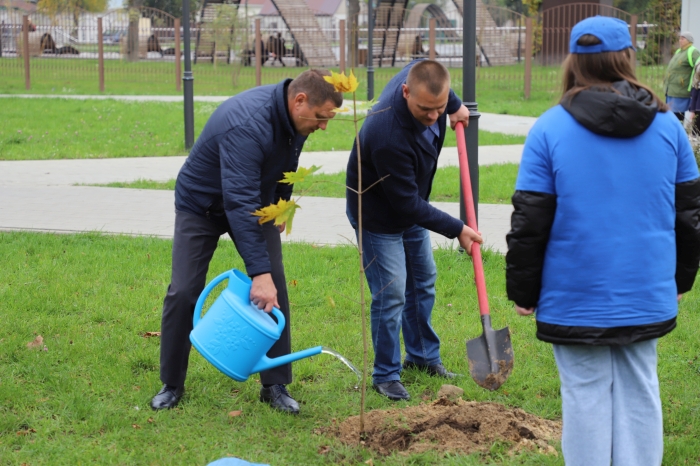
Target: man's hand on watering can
[(468, 237), (524, 311), (263, 292)]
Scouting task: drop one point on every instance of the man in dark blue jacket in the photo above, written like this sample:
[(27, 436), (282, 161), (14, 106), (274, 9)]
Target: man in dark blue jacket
[(233, 170), (400, 144)]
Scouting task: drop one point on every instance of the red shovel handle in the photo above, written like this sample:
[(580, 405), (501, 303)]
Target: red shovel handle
[(471, 220)]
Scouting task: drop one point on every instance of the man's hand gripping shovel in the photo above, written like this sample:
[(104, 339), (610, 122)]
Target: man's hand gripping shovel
[(490, 355)]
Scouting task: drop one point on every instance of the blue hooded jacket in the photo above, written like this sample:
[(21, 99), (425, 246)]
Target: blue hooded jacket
[(236, 164), (606, 222)]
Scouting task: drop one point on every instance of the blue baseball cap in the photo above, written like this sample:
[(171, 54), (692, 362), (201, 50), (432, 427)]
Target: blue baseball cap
[(613, 33)]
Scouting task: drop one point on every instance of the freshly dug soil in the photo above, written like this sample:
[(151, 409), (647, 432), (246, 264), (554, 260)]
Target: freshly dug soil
[(446, 425)]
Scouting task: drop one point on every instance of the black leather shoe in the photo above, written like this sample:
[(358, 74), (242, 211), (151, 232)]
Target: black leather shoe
[(168, 397), (394, 390), (436, 370), (279, 398)]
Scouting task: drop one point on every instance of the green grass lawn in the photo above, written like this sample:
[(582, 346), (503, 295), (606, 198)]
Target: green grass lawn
[(498, 89), (84, 399), (496, 184), (64, 128)]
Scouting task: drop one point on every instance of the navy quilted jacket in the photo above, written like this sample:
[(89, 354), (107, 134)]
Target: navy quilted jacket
[(236, 163), (392, 145)]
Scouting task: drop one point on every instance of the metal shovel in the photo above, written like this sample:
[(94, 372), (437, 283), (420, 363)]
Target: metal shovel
[(490, 355)]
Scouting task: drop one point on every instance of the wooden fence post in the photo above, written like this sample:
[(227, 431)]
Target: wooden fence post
[(352, 40), (25, 50), (100, 55), (633, 33), (258, 53), (431, 40), (528, 56), (178, 63), (342, 45)]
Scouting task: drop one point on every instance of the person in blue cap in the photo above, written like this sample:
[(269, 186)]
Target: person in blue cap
[(604, 240)]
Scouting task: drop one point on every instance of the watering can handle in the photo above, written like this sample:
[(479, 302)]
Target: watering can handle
[(203, 296), (281, 322)]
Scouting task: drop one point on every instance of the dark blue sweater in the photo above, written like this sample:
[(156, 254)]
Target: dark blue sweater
[(392, 143), (236, 163)]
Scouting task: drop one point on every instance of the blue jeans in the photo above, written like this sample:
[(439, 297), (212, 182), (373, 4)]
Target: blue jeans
[(401, 274), (678, 104), (611, 405)]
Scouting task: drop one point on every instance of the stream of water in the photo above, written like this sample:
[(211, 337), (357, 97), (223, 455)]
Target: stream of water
[(345, 361)]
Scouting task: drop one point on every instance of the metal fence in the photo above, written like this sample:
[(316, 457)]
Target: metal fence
[(140, 50)]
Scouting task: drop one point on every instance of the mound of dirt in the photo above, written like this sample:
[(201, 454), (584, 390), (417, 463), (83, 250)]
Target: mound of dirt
[(449, 425)]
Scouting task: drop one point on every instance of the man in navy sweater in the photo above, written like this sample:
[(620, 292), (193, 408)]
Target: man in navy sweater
[(233, 170), (400, 142)]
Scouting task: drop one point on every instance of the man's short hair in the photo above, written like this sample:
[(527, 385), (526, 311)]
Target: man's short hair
[(317, 89), (429, 73)]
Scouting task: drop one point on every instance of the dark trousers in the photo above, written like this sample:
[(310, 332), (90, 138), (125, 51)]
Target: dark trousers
[(194, 244)]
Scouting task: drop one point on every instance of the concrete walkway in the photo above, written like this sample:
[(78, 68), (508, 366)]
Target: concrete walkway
[(74, 209), (41, 195), (100, 171)]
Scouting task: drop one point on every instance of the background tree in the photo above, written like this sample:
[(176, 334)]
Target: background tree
[(54, 7), (532, 9), (515, 5), (632, 6), (661, 38), (74, 7), (173, 7)]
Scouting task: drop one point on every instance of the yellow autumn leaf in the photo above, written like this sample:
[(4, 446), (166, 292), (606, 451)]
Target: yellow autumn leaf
[(344, 109), (342, 83), (352, 80), (282, 212), (298, 176)]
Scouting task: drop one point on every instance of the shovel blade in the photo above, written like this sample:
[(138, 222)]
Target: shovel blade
[(490, 365)]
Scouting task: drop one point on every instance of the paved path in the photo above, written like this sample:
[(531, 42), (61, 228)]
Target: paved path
[(41, 195), (100, 171), (71, 209)]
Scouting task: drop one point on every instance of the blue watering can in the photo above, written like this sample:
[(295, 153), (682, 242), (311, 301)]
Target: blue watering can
[(234, 335)]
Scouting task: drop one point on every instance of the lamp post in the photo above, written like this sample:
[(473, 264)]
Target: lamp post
[(471, 132), (187, 79), (370, 50)]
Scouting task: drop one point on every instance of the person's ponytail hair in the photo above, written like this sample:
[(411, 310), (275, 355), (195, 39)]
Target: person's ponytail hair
[(585, 70)]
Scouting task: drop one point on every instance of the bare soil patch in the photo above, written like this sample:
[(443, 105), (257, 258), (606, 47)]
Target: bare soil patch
[(449, 425)]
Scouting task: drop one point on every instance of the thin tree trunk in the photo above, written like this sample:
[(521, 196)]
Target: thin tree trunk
[(363, 306)]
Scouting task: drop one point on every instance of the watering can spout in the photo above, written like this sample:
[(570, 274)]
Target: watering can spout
[(266, 363)]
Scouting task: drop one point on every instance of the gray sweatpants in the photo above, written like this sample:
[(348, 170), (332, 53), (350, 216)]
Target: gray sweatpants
[(611, 405), (195, 241)]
